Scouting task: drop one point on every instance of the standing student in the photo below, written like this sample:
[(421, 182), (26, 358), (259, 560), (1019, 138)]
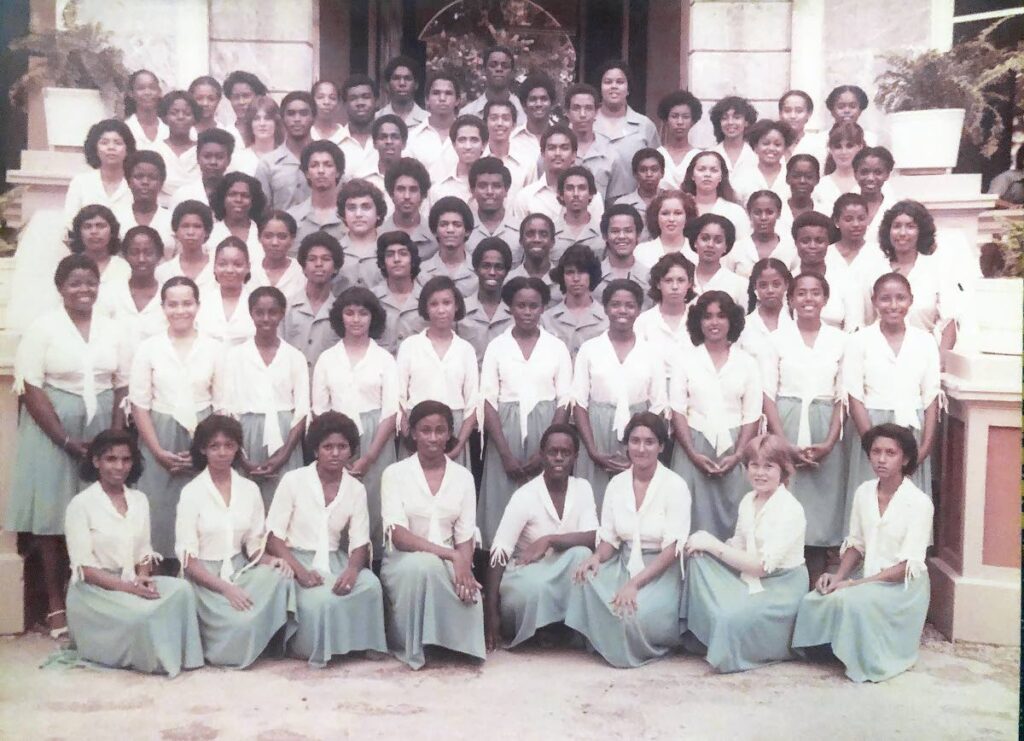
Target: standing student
[(872, 167), (135, 303), (222, 315), (407, 184), (451, 222), (398, 293), (648, 168), (362, 209), (306, 324), (811, 233), (575, 223), (339, 602), (192, 223), (278, 172), (580, 316), (325, 123), (95, 234), (468, 135), (743, 594), (844, 142), (120, 614), (730, 119), (846, 103), (402, 79), (663, 326), (558, 154), (277, 230), (214, 152), (262, 131), (707, 180), (770, 281), (242, 89), (428, 505), (627, 597), (667, 217), (489, 183), (179, 112), (620, 225), (713, 237), (389, 135), (524, 388), (626, 129), (238, 204), (537, 93), (802, 176), (107, 146), (69, 372), (145, 173), (766, 240), (207, 92), (487, 315), (679, 111), (322, 164), (499, 68), (429, 142), (795, 110), (769, 140), (359, 99), (520, 160), (594, 151), (140, 109), (245, 596), (536, 240)]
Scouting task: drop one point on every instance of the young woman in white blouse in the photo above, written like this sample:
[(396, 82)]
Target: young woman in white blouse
[(846, 103), (617, 375), (192, 222), (179, 112), (871, 612), (845, 307), (223, 316), (707, 180), (769, 238), (245, 596), (429, 512), (743, 594), (801, 370), (891, 374), (238, 202), (627, 597), (872, 167), (715, 397), (277, 230), (664, 325), (266, 387), (325, 124), (135, 303), (730, 119), (795, 110), (769, 283), (95, 233), (667, 217), (359, 378), (802, 176), (340, 605), (69, 372), (713, 237), (145, 172), (208, 93), (769, 140), (845, 140), (546, 531), (261, 130), (524, 388), (119, 613), (679, 111), (438, 365), (174, 383), (140, 107), (106, 147)]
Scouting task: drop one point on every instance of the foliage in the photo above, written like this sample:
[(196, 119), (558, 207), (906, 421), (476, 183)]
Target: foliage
[(1011, 243), (8, 234), (963, 77)]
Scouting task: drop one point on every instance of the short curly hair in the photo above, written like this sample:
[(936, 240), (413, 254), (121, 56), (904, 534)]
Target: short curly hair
[(358, 296), (257, 199), (699, 309), (693, 229), (578, 255), (620, 209), (858, 93), (390, 239), (450, 205), (759, 129), (410, 168), (192, 208), (145, 157), (678, 98), (731, 103), (323, 239), (660, 269), (331, 423), (359, 188), (689, 209), (921, 216), (164, 106), (622, 284), (70, 264), (522, 283), (92, 140), (491, 244), (208, 429)]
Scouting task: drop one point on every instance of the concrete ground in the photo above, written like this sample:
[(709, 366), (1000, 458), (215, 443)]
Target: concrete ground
[(957, 692)]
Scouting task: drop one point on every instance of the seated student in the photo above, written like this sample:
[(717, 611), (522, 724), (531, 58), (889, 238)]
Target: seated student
[(135, 303), (520, 160), (769, 285), (306, 325), (140, 110), (575, 224), (222, 312), (325, 124), (323, 165), (398, 293), (489, 183), (107, 147), (594, 151), (627, 595), (359, 99), (179, 112), (649, 172), (242, 89), (802, 176), (238, 203), (94, 233), (402, 77), (362, 208), (451, 222), (389, 135), (429, 512), (245, 596), (546, 531), (430, 141), (768, 238), (192, 223), (339, 602), (712, 237), (278, 172), (707, 180), (846, 103), (558, 153), (276, 231), (145, 173), (667, 218), (208, 93), (679, 111), (730, 119), (214, 149), (468, 135), (743, 594), (486, 314), (499, 67), (118, 612), (627, 130), (262, 131), (620, 225), (537, 93), (579, 317), (871, 612), (769, 140), (536, 240), (407, 184)]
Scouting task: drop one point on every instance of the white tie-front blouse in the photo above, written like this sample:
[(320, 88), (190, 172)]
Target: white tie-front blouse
[(100, 537), (447, 518), (775, 535)]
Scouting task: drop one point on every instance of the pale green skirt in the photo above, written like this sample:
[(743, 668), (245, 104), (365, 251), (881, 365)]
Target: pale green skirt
[(496, 489), (256, 451), (821, 490), (601, 416), (874, 628), (716, 501), (626, 642), (371, 479), (423, 609), (161, 488), (330, 624), (45, 478), (236, 638), (537, 594), (158, 636), (860, 467), (738, 630)]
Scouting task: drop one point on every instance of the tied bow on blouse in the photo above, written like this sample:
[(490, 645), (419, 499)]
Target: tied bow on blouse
[(264, 392), (321, 556)]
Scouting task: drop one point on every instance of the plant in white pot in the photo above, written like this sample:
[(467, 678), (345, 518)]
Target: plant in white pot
[(934, 98)]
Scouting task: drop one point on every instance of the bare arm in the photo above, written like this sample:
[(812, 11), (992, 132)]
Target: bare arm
[(492, 605), (403, 539), (234, 594), (117, 420), (771, 413), (304, 576), (931, 418), (141, 587), (859, 415)]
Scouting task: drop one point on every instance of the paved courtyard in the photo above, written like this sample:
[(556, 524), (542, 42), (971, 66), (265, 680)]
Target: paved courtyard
[(955, 692)]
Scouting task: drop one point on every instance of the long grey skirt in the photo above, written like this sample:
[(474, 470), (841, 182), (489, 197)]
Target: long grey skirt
[(626, 642), (874, 628), (602, 415), (161, 488), (716, 501), (236, 638), (821, 490), (422, 609), (45, 478), (497, 488), (739, 630), (371, 479), (537, 594), (256, 451), (330, 624)]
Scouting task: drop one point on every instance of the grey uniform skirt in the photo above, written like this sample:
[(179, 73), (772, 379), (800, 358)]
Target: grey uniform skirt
[(602, 415), (256, 451), (716, 501)]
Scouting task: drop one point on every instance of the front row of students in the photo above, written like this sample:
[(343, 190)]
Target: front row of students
[(636, 584)]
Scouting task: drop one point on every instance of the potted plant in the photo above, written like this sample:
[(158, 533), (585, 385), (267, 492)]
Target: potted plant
[(936, 97), (81, 75)]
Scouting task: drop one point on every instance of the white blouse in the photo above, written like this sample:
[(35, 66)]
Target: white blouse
[(141, 140), (291, 283), (743, 255), (724, 280), (161, 381), (369, 385), (600, 377), (453, 379), (877, 377), (100, 537), (844, 308), (115, 300), (901, 534), (663, 517), (300, 516), (775, 535), (220, 232), (936, 296), (205, 281), (716, 401), (747, 180), (212, 322), (675, 173), (747, 158), (180, 170), (210, 530), (447, 518), (755, 336), (530, 515), (87, 188), (509, 376), (649, 252), (161, 222)]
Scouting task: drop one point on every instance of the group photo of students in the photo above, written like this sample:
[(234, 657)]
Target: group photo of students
[(525, 368)]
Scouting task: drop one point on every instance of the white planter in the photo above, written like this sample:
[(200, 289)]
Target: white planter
[(996, 307), (926, 139), (69, 114)]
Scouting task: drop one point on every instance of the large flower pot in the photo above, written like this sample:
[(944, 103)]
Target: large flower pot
[(69, 114), (926, 139)]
